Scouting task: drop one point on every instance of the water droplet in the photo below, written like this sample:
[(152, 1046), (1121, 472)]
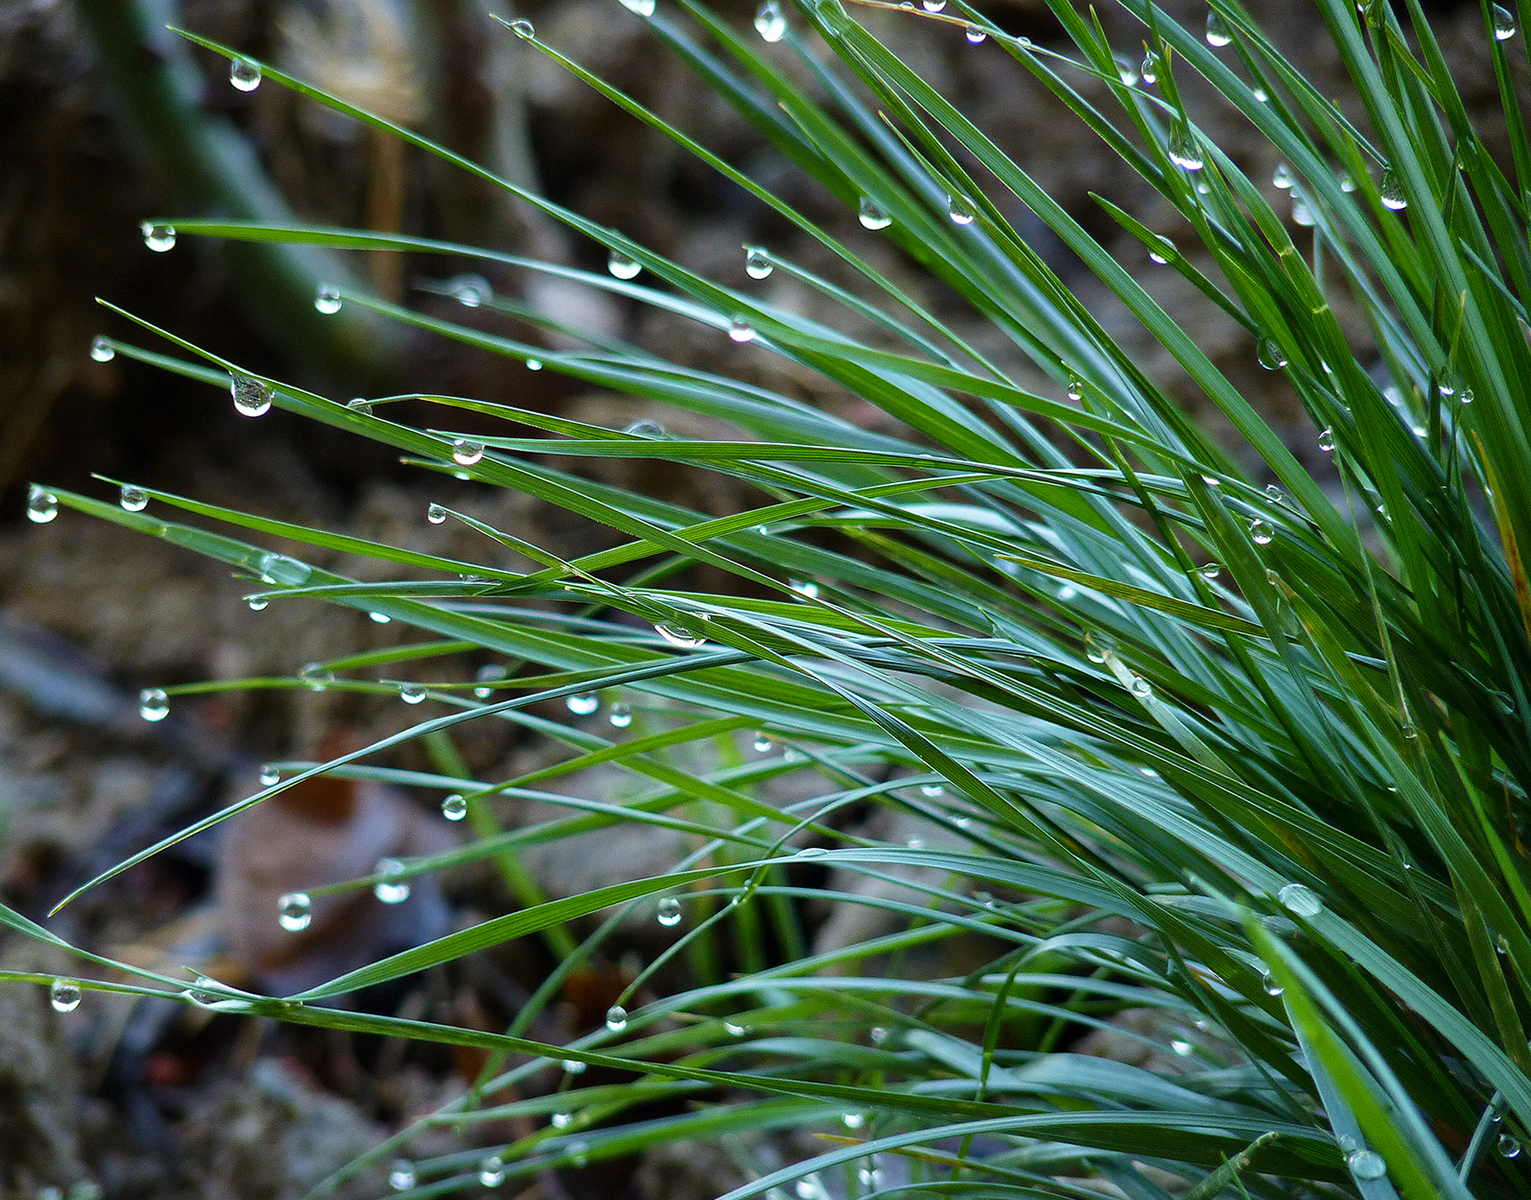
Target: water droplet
[(915, 843), (1149, 71), (295, 911), (133, 499), (878, 1034), (1508, 1146), (811, 852), (1259, 94), (1184, 151), (1218, 33), (153, 704), (327, 299), (1466, 396), (623, 267), (401, 1174), (1272, 988), (316, 675), (454, 807), (1210, 570), (466, 452), (392, 888), (1270, 355), (770, 23), (1391, 191), (739, 331), (763, 743), (1302, 212), (380, 618), (158, 238), (620, 716), (583, 704), (572, 1066), (1165, 252), (616, 1018), (852, 1120), (756, 264), (1283, 177), (491, 1172), (1126, 71), (411, 693), (487, 674), (579, 1154), (960, 210), (804, 588), (101, 350), (869, 1176), (1366, 1164), (872, 217), (269, 776), (523, 30), (435, 514), (1274, 494), (64, 995), (534, 364), (1141, 688), (561, 1120), (933, 6), (642, 8), (1326, 441), (252, 398), (1261, 532), (1096, 647), (278, 568), (646, 429), (197, 993), (932, 790), (975, 35), (1409, 730), (679, 636), (734, 1030), (810, 1187), (1075, 390), (1300, 900), (244, 74), (360, 405), (1504, 27), (669, 911)]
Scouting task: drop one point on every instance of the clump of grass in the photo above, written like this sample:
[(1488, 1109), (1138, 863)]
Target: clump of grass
[(1251, 758)]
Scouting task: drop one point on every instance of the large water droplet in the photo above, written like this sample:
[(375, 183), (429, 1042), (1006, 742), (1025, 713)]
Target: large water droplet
[(669, 912), (1366, 1164), (739, 331), (360, 405), (1218, 33), (491, 1172), (762, 743), (960, 210), (1508, 1146), (1390, 190), (252, 398), (756, 264), (975, 35), (380, 618), (1302, 212), (392, 888), (679, 636), (933, 6), (642, 8), (64, 995), (582, 704), (158, 238), (1149, 71), (295, 911), (278, 568), (327, 299), (454, 807), (316, 675), (469, 290), (1162, 250), (645, 429), (562, 1120), (411, 693), (1126, 69), (523, 30), (621, 266), (42, 505), (466, 452), (101, 350), (269, 775), (1283, 177), (1300, 900), (1504, 23), (1184, 151), (1210, 571), (1141, 688), (244, 74), (1270, 355), (401, 1174), (620, 716), (616, 1018), (1326, 441), (1272, 988), (770, 22), (133, 499), (153, 704), (534, 364), (1261, 532), (811, 852), (804, 588), (435, 514), (872, 217)]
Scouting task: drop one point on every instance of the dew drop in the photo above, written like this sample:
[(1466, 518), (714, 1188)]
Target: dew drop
[(1302, 212), (278, 568), (1218, 34), (573, 1066), (1141, 688), (327, 299), (1390, 190), (810, 1187), (153, 704), (756, 264), (469, 290), (244, 74), (1466, 396), (401, 1174), (1508, 1146), (739, 331), (295, 912), (623, 267), (804, 588), (1126, 71), (1366, 1164), (878, 1034), (534, 364), (1300, 900), (491, 1172), (960, 210), (1096, 647), (158, 238), (1272, 988), (679, 636), (762, 743), (1184, 151), (1283, 177), (869, 1176), (932, 790), (1210, 570), (485, 675), (411, 693), (852, 1120), (562, 1120), (872, 217), (64, 995), (669, 912), (1163, 250), (435, 514), (1149, 71), (933, 6), (454, 807), (583, 704), (975, 35), (380, 618), (616, 1018), (1274, 494), (392, 888), (734, 1030), (579, 1154), (360, 405), (811, 852), (1326, 441), (1261, 532), (770, 23), (1182, 1047), (523, 30), (133, 499), (642, 8), (1075, 390), (316, 676), (102, 351), (646, 429), (270, 776), (252, 398), (620, 715), (1504, 29), (1270, 355), (466, 452)]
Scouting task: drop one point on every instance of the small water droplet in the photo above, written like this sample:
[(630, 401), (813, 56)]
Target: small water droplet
[(1274, 494), (1466, 396), (401, 1174), (523, 30), (932, 790), (763, 743), (573, 1066), (1075, 390), (1163, 250), (244, 74), (327, 299), (1504, 23), (1272, 988), (1149, 71), (295, 911), (534, 364), (252, 398), (269, 776), (616, 1018), (1270, 355), (133, 499), (64, 995), (1141, 688), (1181, 1047), (870, 1175), (487, 674), (679, 636), (734, 1030), (1283, 177), (454, 807), (1508, 1146), (1210, 570), (153, 704), (466, 452), (878, 1034), (669, 911), (579, 1154), (491, 1172), (583, 704), (280, 569), (811, 852), (1218, 33), (756, 264), (620, 716), (960, 210), (1300, 900), (1260, 96), (739, 331), (1326, 441), (1126, 70), (915, 843), (562, 1120), (623, 267), (1409, 730), (1184, 151), (435, 514), (810, 1187), (852, 1120), (804, 588), (1096, 647), (1261, 532), (1366, 1164), (158, 238), (102, 351), (770, 23), (380, 618), (646, 429), (1390, 190), (392, 888), (975, 35), (360, 405), (872, 217), (316, 675), (411, 693)]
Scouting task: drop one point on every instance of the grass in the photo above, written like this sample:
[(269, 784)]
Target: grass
[(1252, 758)]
